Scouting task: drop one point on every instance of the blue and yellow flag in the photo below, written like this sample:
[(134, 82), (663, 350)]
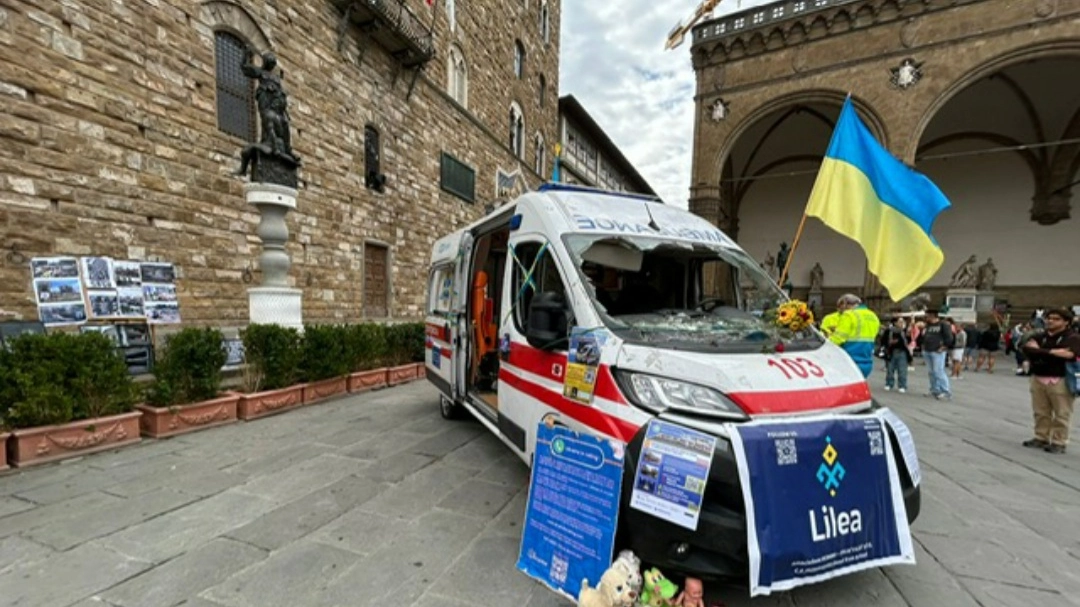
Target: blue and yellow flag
[(866, 194)]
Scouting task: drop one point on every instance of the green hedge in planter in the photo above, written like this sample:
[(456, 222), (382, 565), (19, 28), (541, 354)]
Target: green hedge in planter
[(405, 342), (324, 352), (366, 347), (189, 369), (273, 357), (62, 377)]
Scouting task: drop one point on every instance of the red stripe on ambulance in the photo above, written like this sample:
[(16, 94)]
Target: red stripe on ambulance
[(551, 365), (801, 401), (585, 414)]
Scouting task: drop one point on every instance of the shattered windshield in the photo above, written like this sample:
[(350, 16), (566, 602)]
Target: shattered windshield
[(682, 295)]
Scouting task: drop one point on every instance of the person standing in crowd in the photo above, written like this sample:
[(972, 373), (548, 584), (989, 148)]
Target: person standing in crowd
[(856, 331), (971, 350), (989, 344), (829, 322), (956, 354), (936, 340), (1051, 399), (897, 356)]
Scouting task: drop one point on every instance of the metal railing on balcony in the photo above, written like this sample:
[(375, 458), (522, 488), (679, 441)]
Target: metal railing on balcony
[(393, 26)]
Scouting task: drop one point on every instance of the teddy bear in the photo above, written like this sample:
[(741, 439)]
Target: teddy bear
[(631, 564), (613, 590), (657, 590)]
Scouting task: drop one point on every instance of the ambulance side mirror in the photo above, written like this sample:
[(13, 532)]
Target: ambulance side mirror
[(547, 322)]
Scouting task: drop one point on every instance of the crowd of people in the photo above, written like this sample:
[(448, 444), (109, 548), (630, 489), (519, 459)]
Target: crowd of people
[(1046, 348)]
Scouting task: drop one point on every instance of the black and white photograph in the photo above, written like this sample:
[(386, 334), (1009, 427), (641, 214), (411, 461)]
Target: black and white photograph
[(55, 267), (131, 301), (159, 293), (104, 304), (162, 313), (98, 273), (63, 314), (135, 335), (58, 290), (158, 272), (110, 331), (234, 351), (128, 273)]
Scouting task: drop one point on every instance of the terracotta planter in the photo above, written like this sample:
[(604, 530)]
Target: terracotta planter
[(50, 443), (404, 373), (362, 381), (158, 422), (259, 404), (3, 450), (325, 388)]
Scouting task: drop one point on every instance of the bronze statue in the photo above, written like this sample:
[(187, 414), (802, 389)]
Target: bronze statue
[(966, 276), (275, 142), (987, 275)]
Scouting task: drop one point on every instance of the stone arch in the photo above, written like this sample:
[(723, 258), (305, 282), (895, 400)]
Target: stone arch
[(231, 17)]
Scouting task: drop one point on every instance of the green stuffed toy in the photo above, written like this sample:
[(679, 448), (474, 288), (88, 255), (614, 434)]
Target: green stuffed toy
[(657, 590)]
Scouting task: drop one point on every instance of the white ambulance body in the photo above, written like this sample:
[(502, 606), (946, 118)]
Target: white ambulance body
[(676, 307)]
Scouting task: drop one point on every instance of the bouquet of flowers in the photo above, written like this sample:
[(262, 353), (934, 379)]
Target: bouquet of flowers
[(794, 315)]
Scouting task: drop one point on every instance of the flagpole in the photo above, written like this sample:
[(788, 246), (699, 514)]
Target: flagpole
[(791, 255)]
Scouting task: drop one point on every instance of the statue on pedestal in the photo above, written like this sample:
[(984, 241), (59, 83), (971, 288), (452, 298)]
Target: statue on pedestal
[(781, 258), (817, 277), (272, 159), (987, 275), (966, 276), (769, 265)]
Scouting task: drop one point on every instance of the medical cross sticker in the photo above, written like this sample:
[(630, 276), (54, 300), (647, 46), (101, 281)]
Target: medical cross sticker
[(830, 472)]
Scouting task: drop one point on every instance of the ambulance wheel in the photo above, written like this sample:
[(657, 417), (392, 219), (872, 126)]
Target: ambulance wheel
[(449, 409)]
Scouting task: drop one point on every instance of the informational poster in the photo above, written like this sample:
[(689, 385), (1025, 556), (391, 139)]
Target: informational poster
[(58, 290), (159, 293), (907, 444), (823, 499), (573, 509), (582, 363), (98, 273), (672, 472)]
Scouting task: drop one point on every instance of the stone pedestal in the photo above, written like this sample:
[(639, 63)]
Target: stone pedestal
[(984, 301), (961, 303), (274, 302), (814, 300)]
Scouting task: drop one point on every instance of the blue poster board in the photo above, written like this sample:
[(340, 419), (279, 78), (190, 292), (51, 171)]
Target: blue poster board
[(823, 499), (573, 509)]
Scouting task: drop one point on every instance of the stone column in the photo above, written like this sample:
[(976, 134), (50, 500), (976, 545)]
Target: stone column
[(274, 302)]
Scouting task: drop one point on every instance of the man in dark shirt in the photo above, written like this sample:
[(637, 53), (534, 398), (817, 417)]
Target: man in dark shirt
[(936, 340), (1051, 401)]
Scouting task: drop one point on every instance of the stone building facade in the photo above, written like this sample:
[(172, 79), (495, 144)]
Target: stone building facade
[(980, 95), (589, 157), (111, 140)]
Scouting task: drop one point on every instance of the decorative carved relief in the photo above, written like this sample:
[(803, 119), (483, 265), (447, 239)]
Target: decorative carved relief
[(909, 33), (719, 110), (907, 74), (1045, 8), (799, 60)]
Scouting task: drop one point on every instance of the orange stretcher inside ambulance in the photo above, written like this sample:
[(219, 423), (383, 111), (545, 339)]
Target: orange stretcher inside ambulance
[(674, 312)]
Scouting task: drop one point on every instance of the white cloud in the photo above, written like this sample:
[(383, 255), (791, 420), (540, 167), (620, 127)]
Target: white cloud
[(613, 60)]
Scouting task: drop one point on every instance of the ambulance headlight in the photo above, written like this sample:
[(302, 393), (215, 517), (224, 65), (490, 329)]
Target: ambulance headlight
[(659, 394)]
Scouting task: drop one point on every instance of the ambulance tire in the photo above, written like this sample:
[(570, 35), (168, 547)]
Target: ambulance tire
[(449, 409)]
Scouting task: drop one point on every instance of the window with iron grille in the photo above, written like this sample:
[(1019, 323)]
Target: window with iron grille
[(376, 281), (457, 178), (235, 91), (519, 59), (373, 176)]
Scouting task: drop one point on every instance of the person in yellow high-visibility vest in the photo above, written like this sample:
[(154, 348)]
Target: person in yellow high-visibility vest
[(829, 322), (856, 331)]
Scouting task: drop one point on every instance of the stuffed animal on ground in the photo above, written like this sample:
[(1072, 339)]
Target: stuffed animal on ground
[(657, 590), (629, 562), (693, 594), (613, 591)]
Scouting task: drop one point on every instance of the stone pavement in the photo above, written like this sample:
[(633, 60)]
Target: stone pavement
[(375, 500)]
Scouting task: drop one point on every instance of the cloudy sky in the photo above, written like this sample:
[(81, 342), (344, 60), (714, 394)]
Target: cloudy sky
[(613, 60)]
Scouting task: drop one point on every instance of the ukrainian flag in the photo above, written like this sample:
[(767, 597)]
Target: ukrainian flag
[(866, 194)]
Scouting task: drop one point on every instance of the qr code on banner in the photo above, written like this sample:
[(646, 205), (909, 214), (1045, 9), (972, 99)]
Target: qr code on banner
[(877, 445), (559, 567), (786, 453)]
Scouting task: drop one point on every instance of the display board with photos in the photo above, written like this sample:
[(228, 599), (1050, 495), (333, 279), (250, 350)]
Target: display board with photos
[(73, 291)]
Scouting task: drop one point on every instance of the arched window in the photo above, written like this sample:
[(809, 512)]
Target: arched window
[(458, 76), (235, 91), (545, 23), (540, 163), (543, 89), (517, 130), (519, 59)]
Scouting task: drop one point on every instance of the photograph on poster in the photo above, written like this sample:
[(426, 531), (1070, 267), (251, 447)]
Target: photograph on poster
[(162, 313), (234, 351), (131, 301), (135, 335), (110, 331), (104, 304), (128, 273), (63, 314), (159, 293), (98, 273), (158, 272), (55, 267), (58, 290)]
